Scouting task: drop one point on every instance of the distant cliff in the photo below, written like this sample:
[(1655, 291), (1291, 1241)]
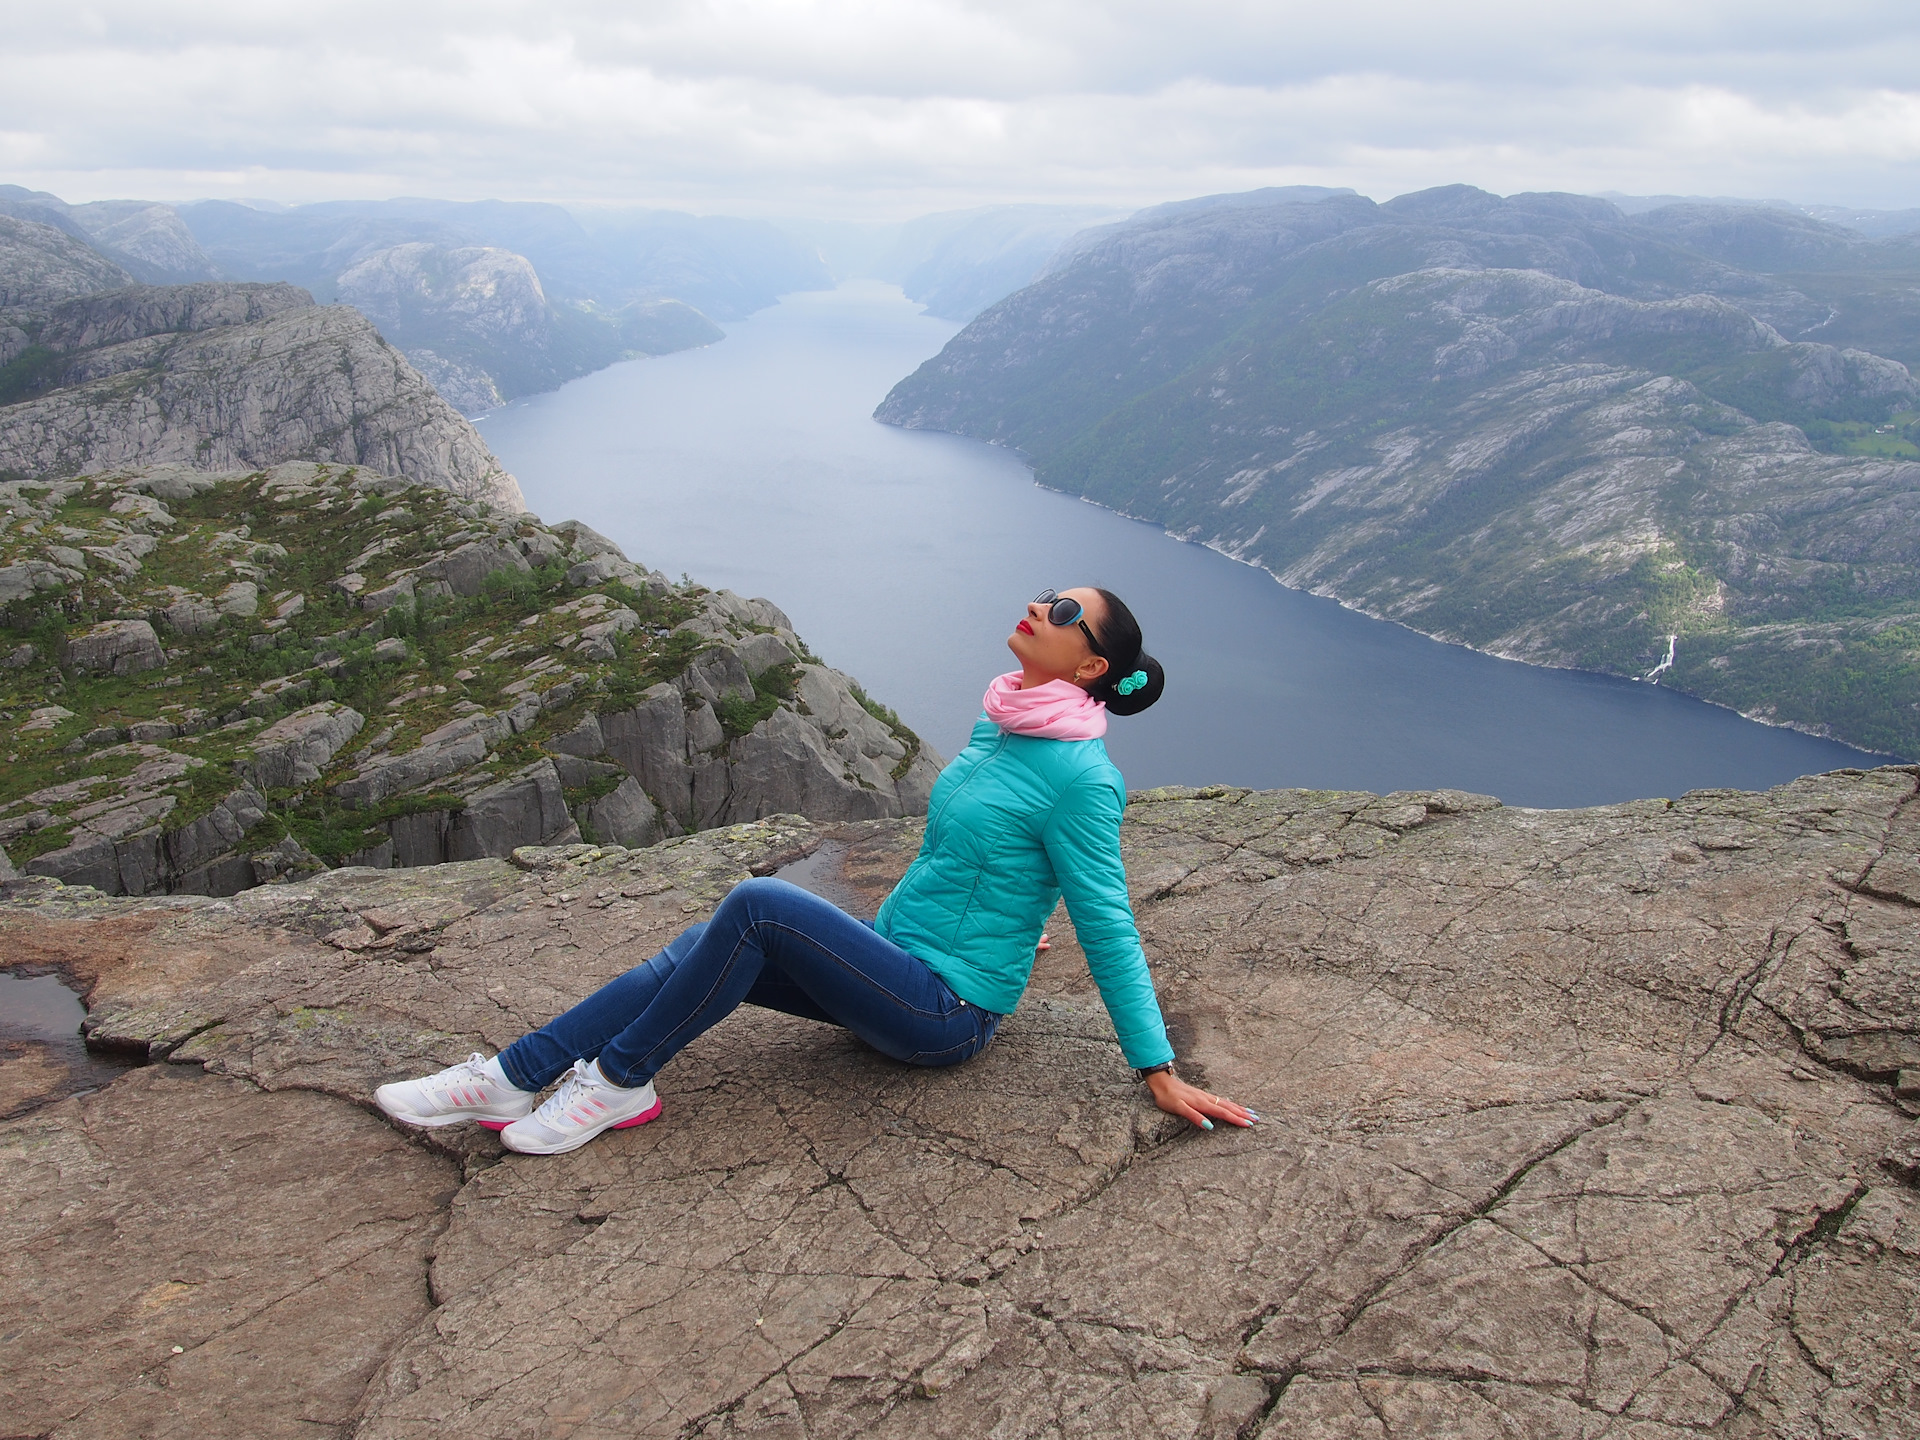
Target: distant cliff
[(222, 375), (476, 321), (1533, 425)]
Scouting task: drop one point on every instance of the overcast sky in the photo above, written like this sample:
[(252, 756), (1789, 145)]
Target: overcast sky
[(888, 108)]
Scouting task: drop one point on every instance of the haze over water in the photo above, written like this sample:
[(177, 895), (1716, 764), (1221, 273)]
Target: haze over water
[(904, 558)]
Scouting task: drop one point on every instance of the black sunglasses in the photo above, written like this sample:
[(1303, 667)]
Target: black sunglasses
[(1065, 610)]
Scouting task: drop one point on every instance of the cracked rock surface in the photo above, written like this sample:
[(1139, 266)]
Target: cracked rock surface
[(1579, 1123)]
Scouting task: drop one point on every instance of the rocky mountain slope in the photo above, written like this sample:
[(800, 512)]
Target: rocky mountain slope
[(213, 679), (215, 375), (477, 323), (1578, 1123), (42, 266), (1537, 426), (151, 242), (490, 300)]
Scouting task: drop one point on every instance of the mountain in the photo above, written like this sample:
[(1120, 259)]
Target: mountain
[(608, 256), (231, 375), (41, 265), (216, 677), (1534, 425), (477, 322), (496, 299), (149, 241), (490, 299), (960, 262)]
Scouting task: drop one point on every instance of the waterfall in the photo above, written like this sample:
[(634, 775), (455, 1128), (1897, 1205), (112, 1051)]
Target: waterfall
[(1666, 664)]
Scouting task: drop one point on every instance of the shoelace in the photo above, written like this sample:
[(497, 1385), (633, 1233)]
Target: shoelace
[(465, 1083), (577, 1087)]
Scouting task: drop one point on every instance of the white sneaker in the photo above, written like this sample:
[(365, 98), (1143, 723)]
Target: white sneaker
[(585, 1104), (476, 1089)]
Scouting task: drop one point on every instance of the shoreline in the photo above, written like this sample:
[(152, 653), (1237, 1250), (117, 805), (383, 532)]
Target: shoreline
[(1885, 757)]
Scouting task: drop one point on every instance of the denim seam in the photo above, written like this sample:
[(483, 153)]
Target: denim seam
[(733, 957)]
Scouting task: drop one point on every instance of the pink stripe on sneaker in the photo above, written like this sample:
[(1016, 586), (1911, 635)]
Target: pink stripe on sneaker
[(653, 1114), (493, 1124)]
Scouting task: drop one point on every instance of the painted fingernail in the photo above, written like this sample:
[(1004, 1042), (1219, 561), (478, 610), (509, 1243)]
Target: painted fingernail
[(1255, 1115), (1205, 1124)]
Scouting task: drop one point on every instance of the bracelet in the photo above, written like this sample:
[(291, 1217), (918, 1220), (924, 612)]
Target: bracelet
[(1165, 1067)]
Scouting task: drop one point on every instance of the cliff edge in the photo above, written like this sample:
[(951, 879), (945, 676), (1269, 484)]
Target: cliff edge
[(215, 375), (1579, 1123)]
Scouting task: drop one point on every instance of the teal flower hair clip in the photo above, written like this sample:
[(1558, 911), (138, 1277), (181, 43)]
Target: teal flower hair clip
[(1133, 682)]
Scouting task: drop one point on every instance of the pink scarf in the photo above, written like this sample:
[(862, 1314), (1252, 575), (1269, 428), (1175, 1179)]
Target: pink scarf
[(1057, 710)]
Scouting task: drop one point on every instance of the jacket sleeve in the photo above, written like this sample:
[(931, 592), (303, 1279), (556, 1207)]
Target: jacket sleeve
[(1082, 837)]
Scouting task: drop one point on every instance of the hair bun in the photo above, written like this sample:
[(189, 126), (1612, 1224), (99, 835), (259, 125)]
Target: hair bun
[(1138, 697)]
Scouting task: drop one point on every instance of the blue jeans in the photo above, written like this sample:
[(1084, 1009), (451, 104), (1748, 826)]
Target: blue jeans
[(769, 944)]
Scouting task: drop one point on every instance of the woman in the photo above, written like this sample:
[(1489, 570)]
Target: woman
[(1028, 811)]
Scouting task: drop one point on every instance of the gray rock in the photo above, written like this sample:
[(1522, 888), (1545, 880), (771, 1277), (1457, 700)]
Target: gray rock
[(625, 816), (785, 767), (118, 647), (704, 732), (617, 621), (388, 595), (195, 846), (173, 482), (745, 612), (465, 570), (527, 808), (193, 615), (587, 542), (575, 772), (289, 860), (760, 653), (584, 740), (601, 569), (239, 376), (29, 577), (716, 674), (293, 752), (242, 597), (418, 839), (650, 742), (454, 747), (542, 546), (19, 657)]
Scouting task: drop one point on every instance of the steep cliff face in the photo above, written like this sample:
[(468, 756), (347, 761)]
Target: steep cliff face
[(1532, 425), (213, 679), (232, 376)]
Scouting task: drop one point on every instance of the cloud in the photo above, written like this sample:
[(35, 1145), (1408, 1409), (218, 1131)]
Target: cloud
[(850, 107)]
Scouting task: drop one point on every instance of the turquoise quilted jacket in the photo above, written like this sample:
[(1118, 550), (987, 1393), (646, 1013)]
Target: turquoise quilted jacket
[(1014, 823)]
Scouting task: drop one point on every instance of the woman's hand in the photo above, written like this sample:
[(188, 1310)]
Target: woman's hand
[(1194, 1105)]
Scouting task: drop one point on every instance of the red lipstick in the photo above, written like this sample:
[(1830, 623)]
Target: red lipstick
[(1024, 628)]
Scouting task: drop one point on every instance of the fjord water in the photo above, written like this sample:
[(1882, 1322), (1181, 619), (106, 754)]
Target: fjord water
[(904, 558)]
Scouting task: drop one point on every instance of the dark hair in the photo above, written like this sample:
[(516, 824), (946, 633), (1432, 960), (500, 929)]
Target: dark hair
[(1120, 637)]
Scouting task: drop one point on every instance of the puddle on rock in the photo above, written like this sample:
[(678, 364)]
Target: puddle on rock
[(823, 873), (42, 1055)]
